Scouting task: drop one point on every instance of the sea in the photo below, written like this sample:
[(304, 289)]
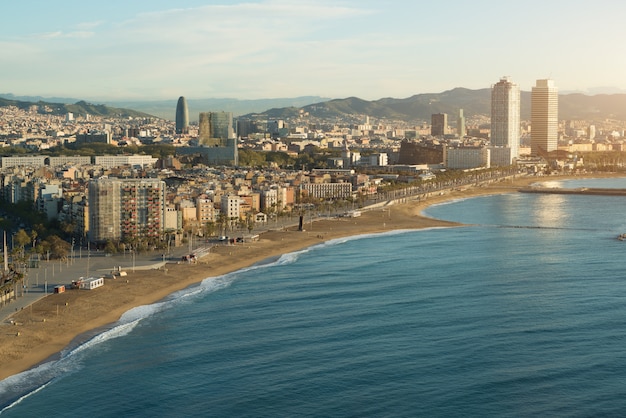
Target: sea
[(520, 313)]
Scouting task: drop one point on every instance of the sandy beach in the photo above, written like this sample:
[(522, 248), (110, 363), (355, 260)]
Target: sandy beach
[(52, 323)]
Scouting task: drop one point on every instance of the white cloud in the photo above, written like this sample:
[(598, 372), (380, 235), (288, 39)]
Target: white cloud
[(85, 26), (63, 35)]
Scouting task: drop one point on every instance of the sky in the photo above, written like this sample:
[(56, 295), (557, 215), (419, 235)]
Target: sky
[(254, 49)]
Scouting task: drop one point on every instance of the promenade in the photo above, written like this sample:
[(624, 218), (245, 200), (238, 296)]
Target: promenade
[(41, 281)]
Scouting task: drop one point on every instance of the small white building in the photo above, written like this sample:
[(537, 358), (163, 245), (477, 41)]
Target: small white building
[(88, 283)]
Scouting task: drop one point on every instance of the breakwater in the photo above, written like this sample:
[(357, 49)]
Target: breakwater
[(582, 191)]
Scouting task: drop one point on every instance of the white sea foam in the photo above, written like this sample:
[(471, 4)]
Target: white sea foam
[(33, 380), (21, 398), (115, 332)]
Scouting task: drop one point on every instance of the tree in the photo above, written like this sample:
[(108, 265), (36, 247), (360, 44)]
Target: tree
[(110, 247), (21, 238), (57, 247), (250, 158), (281, 159), (33, 236), (304, 162), (222, 221), (209, 228), (250, 222)]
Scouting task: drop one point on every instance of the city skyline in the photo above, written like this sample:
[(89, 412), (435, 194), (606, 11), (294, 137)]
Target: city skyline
[(277, 48)]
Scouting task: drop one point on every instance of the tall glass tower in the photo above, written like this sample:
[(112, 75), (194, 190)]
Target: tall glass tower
[(505, 116), (215, 128), (544, 118), (182, 116)]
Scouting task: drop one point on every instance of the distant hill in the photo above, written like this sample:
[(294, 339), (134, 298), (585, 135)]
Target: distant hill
[(420, 107), (166, 109), (78, 108), (416, 108), (11, 96)]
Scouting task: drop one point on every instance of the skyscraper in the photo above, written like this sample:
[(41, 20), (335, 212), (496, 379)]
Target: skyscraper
[(505, 117), (215, 128), (217, 142), (439, 124), (182, 116), (460, 124), (544, 118)]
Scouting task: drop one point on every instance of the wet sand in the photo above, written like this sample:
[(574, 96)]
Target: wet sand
[(49, 325)]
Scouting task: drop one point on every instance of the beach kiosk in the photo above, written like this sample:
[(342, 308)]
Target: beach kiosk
[(88, 283)]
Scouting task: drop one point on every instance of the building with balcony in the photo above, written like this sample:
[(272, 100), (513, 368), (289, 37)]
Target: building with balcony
[(126, 209)]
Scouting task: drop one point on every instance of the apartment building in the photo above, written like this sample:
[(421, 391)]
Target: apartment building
[(126, 209)]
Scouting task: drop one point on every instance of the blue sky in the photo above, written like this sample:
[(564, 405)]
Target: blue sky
[(158, 49)]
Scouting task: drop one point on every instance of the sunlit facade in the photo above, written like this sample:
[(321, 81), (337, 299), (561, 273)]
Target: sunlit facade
[(122, 209), (544, 117), (505, 117)]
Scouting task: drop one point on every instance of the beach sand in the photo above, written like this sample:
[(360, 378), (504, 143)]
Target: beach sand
[(49, 325)]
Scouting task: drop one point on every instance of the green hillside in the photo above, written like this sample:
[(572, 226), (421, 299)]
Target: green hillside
[(78, 108)]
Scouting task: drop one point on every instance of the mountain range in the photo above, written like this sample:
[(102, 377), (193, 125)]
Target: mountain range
[(418, 107), (166, 109), (63, 107)]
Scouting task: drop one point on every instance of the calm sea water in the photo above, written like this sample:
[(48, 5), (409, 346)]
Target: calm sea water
[(523, 313)]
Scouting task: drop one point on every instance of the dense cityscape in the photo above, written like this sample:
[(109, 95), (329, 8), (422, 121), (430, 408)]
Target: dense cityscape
[(276, 208), (165, 180)]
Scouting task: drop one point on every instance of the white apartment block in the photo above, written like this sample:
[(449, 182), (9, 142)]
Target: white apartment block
[(375, 160), (328, 190), (69, 160), (173, 219), (24, 161), (463, 158), (269, 199), (111, 161), (231, 206)]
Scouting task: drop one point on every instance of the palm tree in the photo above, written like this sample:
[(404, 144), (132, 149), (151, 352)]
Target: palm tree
[(250, 222), (222, 221), (209, 228)]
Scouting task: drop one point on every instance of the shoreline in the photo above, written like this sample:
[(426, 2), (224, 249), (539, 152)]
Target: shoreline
[(56, 322)]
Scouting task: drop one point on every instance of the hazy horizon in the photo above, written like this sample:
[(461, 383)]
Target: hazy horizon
[(95, 100)]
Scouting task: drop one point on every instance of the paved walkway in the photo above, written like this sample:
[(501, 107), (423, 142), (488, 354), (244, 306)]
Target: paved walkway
[(41, 281)]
